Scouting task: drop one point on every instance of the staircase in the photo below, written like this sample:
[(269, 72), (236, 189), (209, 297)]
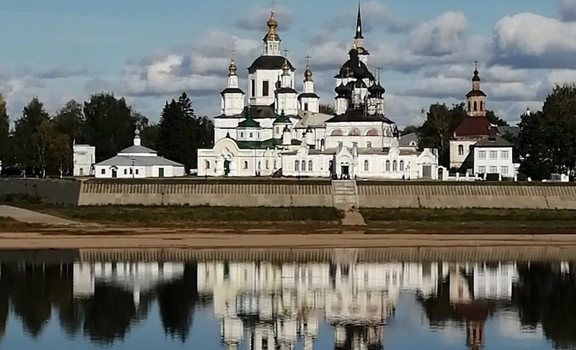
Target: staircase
[(344, 194)]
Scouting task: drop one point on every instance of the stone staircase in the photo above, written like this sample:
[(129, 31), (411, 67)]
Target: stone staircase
[(344, 194)]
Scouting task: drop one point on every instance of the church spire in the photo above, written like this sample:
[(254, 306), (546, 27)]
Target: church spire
[(272, 39), (308, 71), (232, 67), (358, 24)]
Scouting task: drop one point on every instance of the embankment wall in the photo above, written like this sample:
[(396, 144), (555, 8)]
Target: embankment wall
[(303, 193)]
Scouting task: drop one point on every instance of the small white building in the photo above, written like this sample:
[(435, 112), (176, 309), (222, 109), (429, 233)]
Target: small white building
[(138, 161), (84, 159), (494, 155)]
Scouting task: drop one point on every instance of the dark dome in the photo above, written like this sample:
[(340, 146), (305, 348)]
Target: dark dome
[(376, 89), (476, 77), (269, 63), (360, 84), (355, 66), (342, 90)]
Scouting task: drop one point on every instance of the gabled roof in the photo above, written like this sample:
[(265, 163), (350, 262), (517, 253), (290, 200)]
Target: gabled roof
[(493, 141), (121, 160), (137, 149), (358, 115), (475, 126)]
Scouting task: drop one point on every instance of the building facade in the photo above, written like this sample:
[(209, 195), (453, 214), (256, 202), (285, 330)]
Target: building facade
[(280, 131), (494, 155), (84, 160)]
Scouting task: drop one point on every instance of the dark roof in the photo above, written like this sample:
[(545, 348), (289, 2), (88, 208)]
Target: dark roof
[(376, 89), (475, 126), (232, 91), (286, 90), (270, 143), (258, 112), (493, 141), (308, 94), (249, 122), (358, 115), (342, 90), (269, 63), (356, 67), (282, 119), (475, 93), (476, 77)]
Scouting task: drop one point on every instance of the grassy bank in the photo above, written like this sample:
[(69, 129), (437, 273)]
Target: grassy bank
[(183, 215), (504, 218)]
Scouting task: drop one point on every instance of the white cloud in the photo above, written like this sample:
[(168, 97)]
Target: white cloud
[(441, 36)]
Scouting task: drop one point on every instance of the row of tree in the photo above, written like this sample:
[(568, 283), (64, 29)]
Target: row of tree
[(545, 143), (40, 143)]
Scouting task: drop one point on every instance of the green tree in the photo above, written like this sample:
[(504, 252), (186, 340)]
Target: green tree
[(559, 111), (438, 129), (533, 150), (29, 151), (494, 119), (4, 130), (326, 109), (410, 129), (181, 133), (69, 122), (109, 124)]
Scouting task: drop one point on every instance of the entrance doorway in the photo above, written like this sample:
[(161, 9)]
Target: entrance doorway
[(226, 167), (345, 171), (160, 172), (114, 173), (427, 171)]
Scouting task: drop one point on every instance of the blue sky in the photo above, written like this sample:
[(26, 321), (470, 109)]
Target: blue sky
[(149, 50)]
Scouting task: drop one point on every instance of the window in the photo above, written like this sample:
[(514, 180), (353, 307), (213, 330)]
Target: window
[(277, 129), (125, 171), (394, 166), (336, 133), (322, 142), (253, 87), (245, 165), (482, 169), (303, 165), (469, 109), (475, 106), (309, 165), (242, 134), (206, 165), (251, 135), (136, 171), (265, 88), (493, 154), (493, 169), (368, 144), (504, 170), (460, 150), (504, 155), (274, 164), (259, 165), (354, 132), (103, 171), (267, 165), (482, 154), (372, 132), (401, 165), (387, 165), (297, 165), (481, 106), (306, 106), (130, 171), (366, 165)]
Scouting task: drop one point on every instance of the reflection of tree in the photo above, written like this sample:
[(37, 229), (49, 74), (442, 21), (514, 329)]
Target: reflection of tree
[(546, 297), (6, 282), (177, 301), (437, 307), (31, 299)]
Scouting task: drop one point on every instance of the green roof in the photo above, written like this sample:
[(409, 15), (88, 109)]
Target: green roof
[(249, 122), (270, 143), (282, 119)]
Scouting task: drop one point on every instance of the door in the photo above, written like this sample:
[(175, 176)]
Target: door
[(427, 171), (345, 172), (226, 167), (114, 173), (160, 172)]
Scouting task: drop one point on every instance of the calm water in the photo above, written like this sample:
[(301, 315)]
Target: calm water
[(265, 305)]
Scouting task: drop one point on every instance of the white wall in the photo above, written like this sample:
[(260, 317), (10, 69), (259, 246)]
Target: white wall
[(456, 159), (497, 160), (84, 157), (139, 172)]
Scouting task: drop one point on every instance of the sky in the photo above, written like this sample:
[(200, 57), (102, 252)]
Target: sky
[(149, 51)]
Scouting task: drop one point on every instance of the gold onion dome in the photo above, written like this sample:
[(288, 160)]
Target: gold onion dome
[(232, 68), (272, 25), (308, 73), (285, 68)]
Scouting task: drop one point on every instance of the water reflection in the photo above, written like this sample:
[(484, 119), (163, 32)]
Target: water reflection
[(272, 305)]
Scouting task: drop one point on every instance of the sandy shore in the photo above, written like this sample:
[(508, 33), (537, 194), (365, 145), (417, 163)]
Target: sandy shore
[(208, 237)]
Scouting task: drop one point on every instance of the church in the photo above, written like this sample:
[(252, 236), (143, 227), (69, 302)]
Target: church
[(281, 132)]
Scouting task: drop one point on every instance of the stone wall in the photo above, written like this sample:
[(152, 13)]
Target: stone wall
[(537, 196), (57, 191), (209, 192)]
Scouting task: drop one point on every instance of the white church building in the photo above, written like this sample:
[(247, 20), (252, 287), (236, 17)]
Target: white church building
[(279, 131)]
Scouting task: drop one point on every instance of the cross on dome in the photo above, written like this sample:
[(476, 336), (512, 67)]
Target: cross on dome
[(285, 52)]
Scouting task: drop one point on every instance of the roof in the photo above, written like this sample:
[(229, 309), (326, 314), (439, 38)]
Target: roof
[(282, 119), (405, 140), (137, 149), (121, 160), (308, 94), (269, 63), (232, 91), (382, 151), (286, 90), (475, 126), (493, 141), (358, 115), (355, 66), (270, 143), (313, 119), (258, 112), (248, 122), (475, 93)]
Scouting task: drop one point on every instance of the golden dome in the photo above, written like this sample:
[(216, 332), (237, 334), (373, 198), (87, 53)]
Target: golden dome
[(232, 68), (285, 68), (272, 25)]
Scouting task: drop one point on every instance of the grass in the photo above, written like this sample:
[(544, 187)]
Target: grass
[(506, 217), (183, 215)]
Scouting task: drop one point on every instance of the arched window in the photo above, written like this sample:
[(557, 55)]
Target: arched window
[(297, 165), (354, 132), (387, 165), (394, 166), (245, 165), (259, 165), (372, 132), (251, 135), (475, 106), (241, 134), (309, 165), (481, 106), (366, 165), (336, 133), (267, 165), (322, 143), (368, 144), (303, 165), (401, 165), (460, 150), (274, 164), (469, 106), (207, 164)]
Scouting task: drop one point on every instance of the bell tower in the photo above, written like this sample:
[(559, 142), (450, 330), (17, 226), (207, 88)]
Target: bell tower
[(476, 98)]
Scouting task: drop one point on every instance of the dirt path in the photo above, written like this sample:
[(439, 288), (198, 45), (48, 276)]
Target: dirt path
[(33, 217), (202, 238)]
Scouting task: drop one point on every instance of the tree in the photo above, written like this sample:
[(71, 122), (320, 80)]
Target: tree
[(69, 122), (410, 129), (109, 124), (439, 127), (29, 153), (4, 129), (326, 109), (182, 133)]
